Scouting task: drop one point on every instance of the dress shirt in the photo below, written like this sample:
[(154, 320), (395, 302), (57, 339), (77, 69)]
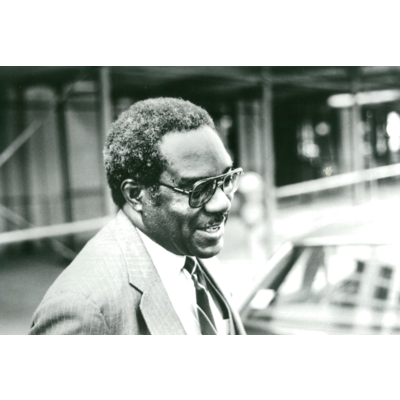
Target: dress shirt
[(180, 288)]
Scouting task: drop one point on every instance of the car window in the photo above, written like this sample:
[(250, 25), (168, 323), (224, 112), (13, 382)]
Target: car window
[(343, 289)]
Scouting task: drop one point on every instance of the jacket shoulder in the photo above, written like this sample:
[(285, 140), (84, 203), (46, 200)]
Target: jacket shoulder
[(98, 264), (92, 293), (69, 313)]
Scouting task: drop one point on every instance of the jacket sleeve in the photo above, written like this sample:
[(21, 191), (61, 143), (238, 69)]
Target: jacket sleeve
[(68, 313)]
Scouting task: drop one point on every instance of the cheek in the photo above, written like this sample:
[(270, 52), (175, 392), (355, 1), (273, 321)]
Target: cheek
[(175, 217), (181, 217)]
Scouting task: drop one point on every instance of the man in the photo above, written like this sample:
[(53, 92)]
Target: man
[(152, 269)]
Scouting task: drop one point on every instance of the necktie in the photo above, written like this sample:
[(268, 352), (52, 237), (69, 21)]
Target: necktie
[(206, 319)]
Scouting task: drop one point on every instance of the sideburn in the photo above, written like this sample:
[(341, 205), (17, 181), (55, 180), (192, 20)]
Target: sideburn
[(155, 195)]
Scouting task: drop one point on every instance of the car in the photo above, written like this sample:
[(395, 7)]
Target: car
[(343, 278)]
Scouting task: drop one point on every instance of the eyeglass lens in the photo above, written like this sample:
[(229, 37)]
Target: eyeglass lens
[(203, 192)]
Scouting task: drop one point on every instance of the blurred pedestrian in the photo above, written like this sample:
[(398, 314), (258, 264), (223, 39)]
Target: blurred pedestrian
[(152, 269)]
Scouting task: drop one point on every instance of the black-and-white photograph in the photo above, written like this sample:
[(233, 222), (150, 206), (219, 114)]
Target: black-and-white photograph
[(199, 200)]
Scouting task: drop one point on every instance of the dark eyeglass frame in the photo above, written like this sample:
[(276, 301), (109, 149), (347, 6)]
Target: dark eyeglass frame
[(218, 182)]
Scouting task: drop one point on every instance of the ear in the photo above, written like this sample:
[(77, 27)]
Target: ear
[(133, 193)]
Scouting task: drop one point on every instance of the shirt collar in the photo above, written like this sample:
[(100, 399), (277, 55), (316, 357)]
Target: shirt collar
[(165, 262)]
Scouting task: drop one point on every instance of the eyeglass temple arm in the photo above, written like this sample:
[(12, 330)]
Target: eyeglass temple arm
[(176, 188), (182, 190)]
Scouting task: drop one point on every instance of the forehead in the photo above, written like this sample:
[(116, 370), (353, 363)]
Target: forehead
[(195, 154)]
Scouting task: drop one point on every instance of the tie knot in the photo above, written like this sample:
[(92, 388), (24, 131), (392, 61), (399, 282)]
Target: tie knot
[(190, 265)]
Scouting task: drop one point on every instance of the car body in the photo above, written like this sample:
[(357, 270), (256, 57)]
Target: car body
[(343, 278)]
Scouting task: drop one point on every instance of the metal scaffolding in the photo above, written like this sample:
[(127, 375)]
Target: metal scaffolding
[(258, 86), (29, 231)]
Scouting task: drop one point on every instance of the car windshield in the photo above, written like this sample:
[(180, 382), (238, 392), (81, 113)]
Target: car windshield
[(333, 289)]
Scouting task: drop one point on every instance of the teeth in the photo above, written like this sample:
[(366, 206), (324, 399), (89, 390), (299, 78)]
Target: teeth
[(212, 229)]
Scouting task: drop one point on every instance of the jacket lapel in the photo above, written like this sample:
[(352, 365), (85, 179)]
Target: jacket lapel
[(155, 305)]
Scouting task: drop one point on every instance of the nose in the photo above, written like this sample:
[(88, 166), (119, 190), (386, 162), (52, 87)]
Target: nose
[(219, 203)]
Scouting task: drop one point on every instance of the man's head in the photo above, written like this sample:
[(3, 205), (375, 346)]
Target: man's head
[(154, 150)]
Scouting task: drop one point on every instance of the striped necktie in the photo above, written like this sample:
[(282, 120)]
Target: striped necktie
[(206, 319)]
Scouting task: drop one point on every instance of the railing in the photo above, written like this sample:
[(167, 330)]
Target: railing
[(44, 232), (347, 179)]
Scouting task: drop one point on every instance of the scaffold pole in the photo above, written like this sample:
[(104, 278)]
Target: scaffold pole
[(105, 123), (269, 159), (356, 136)]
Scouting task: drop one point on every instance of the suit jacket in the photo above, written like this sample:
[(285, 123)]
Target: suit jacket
[(112, 287)]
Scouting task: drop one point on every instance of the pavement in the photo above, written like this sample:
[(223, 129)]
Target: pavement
[(23, 282), (24, 278)]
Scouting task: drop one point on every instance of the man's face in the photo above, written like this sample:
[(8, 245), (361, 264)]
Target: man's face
[(171, 222)]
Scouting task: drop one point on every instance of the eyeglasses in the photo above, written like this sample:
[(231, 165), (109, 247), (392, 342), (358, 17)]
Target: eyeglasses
[(204, 189)]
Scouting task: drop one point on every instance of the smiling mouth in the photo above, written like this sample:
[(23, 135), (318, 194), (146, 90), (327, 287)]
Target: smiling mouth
[(212, 229), (215, 226)]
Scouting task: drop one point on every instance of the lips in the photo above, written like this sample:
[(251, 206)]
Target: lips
[(212, 229), (211, 233), (213, 226)]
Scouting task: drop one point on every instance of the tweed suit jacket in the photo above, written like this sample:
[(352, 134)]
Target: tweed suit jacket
[(112, 287)]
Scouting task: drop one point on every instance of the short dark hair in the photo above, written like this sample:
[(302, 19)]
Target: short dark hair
[(131, 149)]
